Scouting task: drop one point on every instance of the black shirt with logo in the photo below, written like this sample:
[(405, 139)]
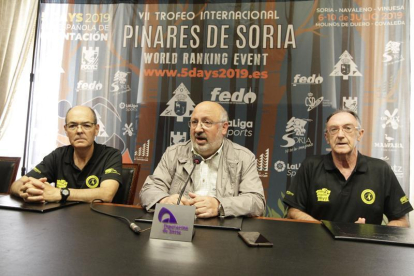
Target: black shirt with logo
[(320, 190), (58, 167)]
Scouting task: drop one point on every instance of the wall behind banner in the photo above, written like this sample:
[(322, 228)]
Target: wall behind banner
[(279, 68)]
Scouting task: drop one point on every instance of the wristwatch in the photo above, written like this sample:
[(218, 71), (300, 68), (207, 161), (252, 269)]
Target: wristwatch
[(64, 192), (221, 210)]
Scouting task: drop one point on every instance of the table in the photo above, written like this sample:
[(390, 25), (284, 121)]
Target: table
[(76, 241)]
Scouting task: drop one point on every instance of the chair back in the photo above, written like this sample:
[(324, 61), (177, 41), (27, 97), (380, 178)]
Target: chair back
[(8, 172), (126, 192)]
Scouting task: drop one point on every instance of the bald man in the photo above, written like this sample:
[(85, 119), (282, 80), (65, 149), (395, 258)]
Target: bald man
[(225, 183), (82, 171)]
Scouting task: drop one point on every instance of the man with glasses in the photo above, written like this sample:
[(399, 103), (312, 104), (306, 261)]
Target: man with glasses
[(225, 183), (344, 185), (82, 171)]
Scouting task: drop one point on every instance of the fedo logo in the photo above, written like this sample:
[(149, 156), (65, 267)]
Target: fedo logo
[(298, 79), (238, 97), (85, 86)]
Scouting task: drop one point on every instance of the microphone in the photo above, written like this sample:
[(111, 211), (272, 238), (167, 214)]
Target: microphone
[(196, 160)]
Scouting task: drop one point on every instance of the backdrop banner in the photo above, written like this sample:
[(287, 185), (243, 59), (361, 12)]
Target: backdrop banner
[(278, 67)]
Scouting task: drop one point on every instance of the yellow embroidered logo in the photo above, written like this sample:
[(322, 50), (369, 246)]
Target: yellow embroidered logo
[(368, 196), (61, 183), (37, 170), (404, 199), (290, 193), (323, 194), (111, 170), (92, 181)]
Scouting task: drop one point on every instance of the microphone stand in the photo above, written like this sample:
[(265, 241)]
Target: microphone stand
[(32, 75)]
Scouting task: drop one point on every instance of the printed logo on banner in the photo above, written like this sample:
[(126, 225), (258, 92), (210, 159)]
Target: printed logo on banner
[(238, 97), (180, 105), (240, 128), (89, 59), (85, 86), (142, 153), (389, 145), (102, 128), (119, 85), (128, 107), (350, 103), (263, 164), (298, 79), (311, 102), (128, 130), (398, 171), (345, 67), (390, 120), (280, 166), (295, 134), (392, 52), (177, 137)]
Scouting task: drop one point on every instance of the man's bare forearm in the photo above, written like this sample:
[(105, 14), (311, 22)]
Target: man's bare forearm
[(294, 213)]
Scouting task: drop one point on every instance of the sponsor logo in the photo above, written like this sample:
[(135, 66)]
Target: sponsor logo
[(298, 79), (177, 137), (84, 86), (92, 181), (37, 170), (89, 61), (128, 130), (392, 52), (398, 171), (295, 134), (323, 195), (311, 102), (180, 105), (128, 107), (240, 128), (171, 226), (119, 85), (291, 169), (102, 127), (390, 120), (61, 183), (350, 103), (238, 97), (289, 193), (345, 67), (389, 144), (368, 196), (111, 170), (263, 164), (142, 153), (404, 200)]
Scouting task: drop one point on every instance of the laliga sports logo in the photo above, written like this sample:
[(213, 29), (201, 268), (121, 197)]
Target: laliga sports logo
[(90, 59), (237, 97), (307, 80), (165, 216)]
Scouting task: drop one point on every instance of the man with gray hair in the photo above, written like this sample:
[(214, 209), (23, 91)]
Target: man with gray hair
[(225, 183), (344, 185)]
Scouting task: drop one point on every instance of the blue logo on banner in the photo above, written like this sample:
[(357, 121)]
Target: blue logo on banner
[(165, 216)]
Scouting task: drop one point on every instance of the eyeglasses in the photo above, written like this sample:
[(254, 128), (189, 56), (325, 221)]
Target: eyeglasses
[(204, 124), (85, 126), (346, 128)]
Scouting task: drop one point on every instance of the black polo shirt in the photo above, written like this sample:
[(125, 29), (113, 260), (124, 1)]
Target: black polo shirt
[(58, 167), (320, 190)]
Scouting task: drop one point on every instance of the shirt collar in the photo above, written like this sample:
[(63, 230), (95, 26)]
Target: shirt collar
[(361, 165)]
